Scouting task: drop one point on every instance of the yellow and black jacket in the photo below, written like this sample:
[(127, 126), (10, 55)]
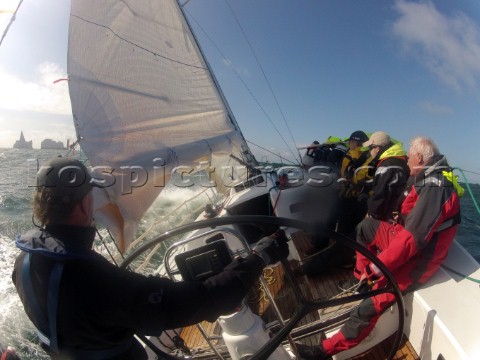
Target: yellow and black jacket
[(390, 178)]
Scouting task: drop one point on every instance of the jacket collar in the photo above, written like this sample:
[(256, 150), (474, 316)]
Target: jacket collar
[(393, 150), (62, 241), (436, 164)]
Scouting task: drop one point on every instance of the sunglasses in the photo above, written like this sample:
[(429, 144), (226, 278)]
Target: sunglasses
[(371, 147)]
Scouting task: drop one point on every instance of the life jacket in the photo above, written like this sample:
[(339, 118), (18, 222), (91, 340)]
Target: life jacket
[(355, 171), (454, 180), (35, 242), (353, 160)]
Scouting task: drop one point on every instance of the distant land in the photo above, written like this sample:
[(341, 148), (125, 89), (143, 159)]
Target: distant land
[(22, 143), (45, 144), (50, 144)]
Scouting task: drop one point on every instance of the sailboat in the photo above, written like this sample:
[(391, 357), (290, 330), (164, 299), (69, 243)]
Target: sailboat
[(148, 112)]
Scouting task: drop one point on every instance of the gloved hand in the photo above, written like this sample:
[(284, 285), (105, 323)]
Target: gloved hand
[(372, 272), (346, 190), (272, 248)]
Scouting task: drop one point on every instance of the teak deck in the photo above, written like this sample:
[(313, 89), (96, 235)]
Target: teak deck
[(318, 287)]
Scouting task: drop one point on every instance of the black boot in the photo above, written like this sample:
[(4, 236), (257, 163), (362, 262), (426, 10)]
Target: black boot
[(307, 352)]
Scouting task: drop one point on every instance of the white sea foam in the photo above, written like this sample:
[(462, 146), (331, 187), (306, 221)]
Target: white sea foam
[(16, 330)]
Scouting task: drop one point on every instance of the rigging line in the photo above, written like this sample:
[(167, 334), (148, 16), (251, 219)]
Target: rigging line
[(271, 152), (12, 19), (241, 80), (266, 79), (138, 46), (468, 188), (460, 274), (468, 171)]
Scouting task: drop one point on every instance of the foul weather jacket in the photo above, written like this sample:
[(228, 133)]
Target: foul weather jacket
[(389, 182), (354, 165), (430, 215), (101, 306)]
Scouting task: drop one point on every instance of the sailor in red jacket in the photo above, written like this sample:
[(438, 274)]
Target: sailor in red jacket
[(411, 248)]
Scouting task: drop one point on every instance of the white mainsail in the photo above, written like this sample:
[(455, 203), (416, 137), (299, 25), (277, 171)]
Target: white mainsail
[(144, 102)]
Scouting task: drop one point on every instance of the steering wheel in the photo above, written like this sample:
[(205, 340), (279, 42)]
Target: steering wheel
[(305, 306)]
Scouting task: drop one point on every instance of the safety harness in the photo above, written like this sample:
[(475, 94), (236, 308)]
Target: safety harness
[(52, 301)]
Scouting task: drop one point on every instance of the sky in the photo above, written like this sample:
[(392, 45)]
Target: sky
[(292, 71)]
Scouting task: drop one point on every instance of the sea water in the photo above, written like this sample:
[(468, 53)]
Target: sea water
[(17, 181), (17, 178)]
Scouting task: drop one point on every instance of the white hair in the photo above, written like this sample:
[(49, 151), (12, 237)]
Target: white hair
[(425, 147)]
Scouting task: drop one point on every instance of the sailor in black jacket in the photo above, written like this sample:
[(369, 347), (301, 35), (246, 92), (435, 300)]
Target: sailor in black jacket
[(390, 177), (84, 307)]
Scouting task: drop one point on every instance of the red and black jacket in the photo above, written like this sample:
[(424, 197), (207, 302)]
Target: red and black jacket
[(430, 215)]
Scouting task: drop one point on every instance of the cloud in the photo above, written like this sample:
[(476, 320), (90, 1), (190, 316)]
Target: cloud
[(40, 95), (448, 46), (436, 109)]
